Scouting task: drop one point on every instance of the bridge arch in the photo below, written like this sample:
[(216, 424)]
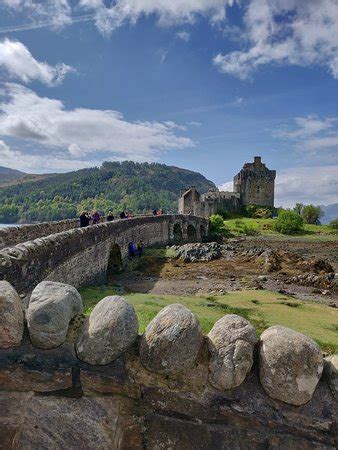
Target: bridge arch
[(191, 233), (177, 233), (115, 263)]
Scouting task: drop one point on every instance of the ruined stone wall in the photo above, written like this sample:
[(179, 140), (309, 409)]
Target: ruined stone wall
[(80, 256), (14, 235), (171, 388)]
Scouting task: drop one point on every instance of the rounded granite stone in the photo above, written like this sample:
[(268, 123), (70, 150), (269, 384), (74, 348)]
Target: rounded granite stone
[(171, 341), (111, 328), (51, 307), (290, 365), (231, 343), (11, 316)]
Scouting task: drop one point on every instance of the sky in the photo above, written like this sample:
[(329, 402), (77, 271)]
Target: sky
[(200, 84)]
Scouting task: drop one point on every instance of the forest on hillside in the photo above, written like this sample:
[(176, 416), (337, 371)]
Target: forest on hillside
[(115, 186)]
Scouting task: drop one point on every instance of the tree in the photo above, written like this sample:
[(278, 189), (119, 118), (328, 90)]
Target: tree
[(9, 213), (311, 214), (334, 224), (217, 226), (299, 208), (288, 222)]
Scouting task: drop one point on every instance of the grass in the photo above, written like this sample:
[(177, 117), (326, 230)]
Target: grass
[(262, 308), (265, 228)]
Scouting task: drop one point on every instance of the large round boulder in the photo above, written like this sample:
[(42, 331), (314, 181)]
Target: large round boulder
[(231, 344), (171, 341), (290, 365), (111, 328), (11, 316), (51, 307)]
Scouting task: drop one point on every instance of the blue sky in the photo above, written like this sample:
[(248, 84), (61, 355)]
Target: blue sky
[(201, 84)]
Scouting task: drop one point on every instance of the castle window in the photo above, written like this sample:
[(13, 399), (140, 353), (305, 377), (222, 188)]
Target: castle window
[(258, 189)]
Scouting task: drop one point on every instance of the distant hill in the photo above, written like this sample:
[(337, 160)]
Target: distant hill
[(138, 187), (7, 174), (330, 212)]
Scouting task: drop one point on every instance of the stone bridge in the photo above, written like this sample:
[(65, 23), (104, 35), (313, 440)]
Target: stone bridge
[(81, 256)]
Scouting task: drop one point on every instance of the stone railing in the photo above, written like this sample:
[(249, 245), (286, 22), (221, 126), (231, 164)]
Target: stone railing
[(14, 235), (73, 382), (82, 256)]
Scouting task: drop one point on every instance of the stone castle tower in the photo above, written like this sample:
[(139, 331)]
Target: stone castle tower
[(253, 185), (256, 184)]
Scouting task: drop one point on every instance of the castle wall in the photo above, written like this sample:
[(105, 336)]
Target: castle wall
[(80, 256), (256, 183), (14, 235), (257, 191)]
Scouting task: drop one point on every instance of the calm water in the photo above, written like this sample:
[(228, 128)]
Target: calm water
[(6, 225)]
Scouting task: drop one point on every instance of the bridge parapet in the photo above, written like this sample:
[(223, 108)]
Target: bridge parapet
[(80, 256), (14, 235)]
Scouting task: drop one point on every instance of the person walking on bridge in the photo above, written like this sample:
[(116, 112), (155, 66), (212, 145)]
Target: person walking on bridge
[(96, 218), (84, 219)]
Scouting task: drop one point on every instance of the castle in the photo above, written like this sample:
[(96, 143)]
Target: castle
[(253, 185)]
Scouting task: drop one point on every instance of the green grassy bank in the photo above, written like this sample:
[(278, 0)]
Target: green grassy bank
[(264, 227), (262, 308)]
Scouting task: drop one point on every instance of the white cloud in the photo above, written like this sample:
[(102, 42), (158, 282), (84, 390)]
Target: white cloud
[(288, 32), (89, 133), (312, 133), (167, 12), (317, 185), (17, 60), (183, 35), (57, 12), (226, 187), (40, 163)]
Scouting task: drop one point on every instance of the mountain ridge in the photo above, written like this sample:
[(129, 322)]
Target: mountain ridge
[(138, 187)]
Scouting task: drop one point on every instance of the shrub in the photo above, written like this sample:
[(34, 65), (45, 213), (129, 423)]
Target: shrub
[(217, 226), (222, 213), (288, 222), (311, 214), (249, 230), (334, 224), (258, 212)]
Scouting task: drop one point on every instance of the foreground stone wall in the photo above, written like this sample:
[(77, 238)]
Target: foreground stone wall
[(171, 388), (80, 256), (14, 235)]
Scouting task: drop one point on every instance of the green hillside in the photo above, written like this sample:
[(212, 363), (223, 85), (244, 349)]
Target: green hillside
[(138, 187), (7, 175)]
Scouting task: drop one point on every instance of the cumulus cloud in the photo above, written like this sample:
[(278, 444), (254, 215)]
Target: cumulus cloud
[(317, 185), (226, 187), (38, 162), (167, 12), (183, 35), (90, 133), (286, 32), (18, 62), (312, 133)]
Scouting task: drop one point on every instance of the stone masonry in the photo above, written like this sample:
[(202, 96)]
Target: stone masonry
[(253, 185), (149, 397)]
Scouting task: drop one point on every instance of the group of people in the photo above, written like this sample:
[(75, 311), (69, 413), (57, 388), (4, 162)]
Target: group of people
[(158, 212), (87, 219), (135, 249)]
